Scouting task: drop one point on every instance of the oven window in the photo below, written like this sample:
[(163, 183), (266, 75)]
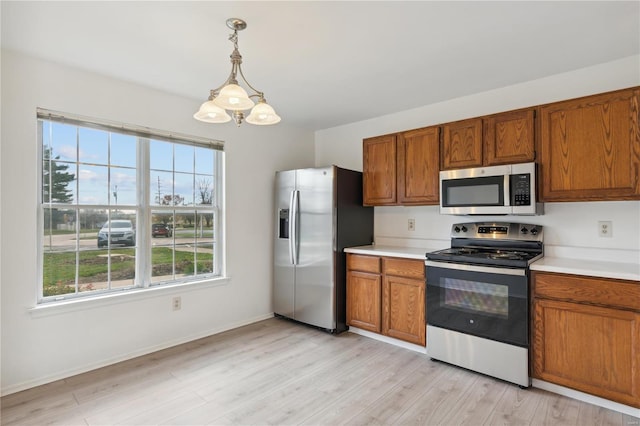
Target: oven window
[(477, 297), (474, 195)]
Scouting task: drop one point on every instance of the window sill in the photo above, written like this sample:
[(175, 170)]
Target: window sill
[(83, 303)]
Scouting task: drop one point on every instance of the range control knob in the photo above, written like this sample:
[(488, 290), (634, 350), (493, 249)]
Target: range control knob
[(457, 229), (464, 228), (524, 230), (534, 231)]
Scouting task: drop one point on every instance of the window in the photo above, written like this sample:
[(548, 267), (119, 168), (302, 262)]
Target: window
[(125, 207)]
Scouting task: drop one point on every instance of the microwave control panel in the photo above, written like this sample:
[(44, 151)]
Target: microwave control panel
[(520, 189)]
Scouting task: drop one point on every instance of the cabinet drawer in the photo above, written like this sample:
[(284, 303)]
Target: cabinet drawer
[(404, 267), (357, 262), (592, 290)]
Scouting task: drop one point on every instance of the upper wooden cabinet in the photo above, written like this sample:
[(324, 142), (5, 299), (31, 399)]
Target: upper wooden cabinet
[(462, 144), (509, 138), (402, 168), (379, 170), (590, 148), (503, 138), (419, 166)]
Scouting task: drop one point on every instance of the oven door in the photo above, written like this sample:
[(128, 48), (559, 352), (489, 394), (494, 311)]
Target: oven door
[(483, 301)]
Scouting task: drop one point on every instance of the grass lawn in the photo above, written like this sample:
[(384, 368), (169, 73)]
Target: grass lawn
[(59, 275)]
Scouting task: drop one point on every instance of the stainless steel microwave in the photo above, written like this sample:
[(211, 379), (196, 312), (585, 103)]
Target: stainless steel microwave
[(496, 190)]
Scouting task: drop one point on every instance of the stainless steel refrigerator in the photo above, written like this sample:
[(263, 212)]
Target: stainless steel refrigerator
[(319, 212)]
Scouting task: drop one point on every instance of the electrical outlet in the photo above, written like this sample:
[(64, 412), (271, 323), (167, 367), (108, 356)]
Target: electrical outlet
[(605, 229), (411, 224), (176, 303)]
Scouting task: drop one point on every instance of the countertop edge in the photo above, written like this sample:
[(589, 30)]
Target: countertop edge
[(591, 268), (392, 251)]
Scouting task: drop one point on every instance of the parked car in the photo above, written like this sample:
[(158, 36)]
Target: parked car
[(118, 231), (161, 230)]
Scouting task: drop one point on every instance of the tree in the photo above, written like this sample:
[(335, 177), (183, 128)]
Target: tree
[(56, 188), (56, 179), (205, 191), (171, 200)]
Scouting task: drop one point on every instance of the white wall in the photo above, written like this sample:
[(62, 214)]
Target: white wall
[(570, 228), (36, 347)]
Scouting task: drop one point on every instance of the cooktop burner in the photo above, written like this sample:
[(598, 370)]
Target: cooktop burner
[(502, 244)]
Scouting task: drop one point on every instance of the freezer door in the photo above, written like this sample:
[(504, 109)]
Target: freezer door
[(283, 269), (315, 302)]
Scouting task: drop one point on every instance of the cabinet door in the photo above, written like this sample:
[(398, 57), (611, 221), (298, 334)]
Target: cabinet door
[(508, 138), (590, 148), (363, 300), (462, 144), (403, 309), (379, 170), (419, 166), (591, 349)]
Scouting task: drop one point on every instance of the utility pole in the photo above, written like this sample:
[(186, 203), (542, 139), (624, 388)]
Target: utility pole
[(159, 194)]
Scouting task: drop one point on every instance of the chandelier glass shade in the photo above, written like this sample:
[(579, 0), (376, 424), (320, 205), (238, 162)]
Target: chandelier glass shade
[(231, 98)]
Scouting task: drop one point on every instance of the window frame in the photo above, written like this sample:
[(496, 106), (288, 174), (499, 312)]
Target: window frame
[(143, 280)]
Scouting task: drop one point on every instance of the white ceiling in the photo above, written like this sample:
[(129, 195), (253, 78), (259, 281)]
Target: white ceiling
[(323, 64)]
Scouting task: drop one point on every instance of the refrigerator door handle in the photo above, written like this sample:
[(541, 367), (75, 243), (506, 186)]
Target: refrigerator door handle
[(293, 225)]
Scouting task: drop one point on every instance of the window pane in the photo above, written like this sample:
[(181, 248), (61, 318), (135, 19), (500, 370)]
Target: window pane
[(183, 156), (161, 191), (183, 188), (123, 186), (123, 150), (59, 252), (93, 186), (204, 190), (161, 155), (204, 161), (204, 243), (185, 244), (94, 146), (162, 233), (63, 141), (90, 221), (59, 273), (58, 181)]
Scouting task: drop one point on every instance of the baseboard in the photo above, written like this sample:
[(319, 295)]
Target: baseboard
[(585, 397), (145, 351)]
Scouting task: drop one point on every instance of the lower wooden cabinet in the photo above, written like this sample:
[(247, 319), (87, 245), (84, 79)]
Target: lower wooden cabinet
[(387, 295), (363, 300), (586, 335)]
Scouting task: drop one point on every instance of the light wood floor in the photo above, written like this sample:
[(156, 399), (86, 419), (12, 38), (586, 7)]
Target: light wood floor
[(278, 372)]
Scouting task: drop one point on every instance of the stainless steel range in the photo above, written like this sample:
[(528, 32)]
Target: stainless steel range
[(478, 298)]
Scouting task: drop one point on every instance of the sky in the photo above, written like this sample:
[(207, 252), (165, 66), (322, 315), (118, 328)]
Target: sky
[(104, 164)]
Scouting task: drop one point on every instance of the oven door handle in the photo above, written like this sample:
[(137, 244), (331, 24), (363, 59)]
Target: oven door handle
[(476, 268)]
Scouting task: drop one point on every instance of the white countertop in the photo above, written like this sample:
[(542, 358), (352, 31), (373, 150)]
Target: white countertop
[(593, 268), (393, 251)]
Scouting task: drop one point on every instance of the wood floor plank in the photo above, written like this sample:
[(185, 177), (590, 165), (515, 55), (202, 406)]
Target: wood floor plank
[(279, 372), (515, 407)]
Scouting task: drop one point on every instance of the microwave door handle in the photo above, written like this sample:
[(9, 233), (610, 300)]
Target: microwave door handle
[(507, 189)]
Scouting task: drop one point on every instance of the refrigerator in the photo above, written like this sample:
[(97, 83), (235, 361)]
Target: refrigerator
[(319, 212)]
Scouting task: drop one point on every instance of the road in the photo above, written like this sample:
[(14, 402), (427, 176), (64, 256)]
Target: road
[(89, 241)]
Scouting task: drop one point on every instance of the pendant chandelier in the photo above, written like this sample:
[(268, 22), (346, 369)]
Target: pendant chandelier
[(231, 97)]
